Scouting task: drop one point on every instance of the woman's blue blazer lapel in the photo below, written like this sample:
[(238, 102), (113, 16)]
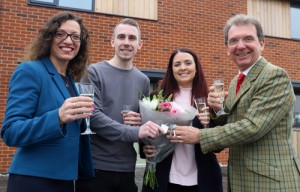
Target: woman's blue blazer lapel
[(56, 78)]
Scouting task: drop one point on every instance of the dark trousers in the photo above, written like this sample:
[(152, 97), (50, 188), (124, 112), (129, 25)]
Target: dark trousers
[(179, 188), (108, 181), (24, 183)]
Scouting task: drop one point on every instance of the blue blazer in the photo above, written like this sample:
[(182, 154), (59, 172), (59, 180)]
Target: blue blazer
[(209, 171), (31, 123)]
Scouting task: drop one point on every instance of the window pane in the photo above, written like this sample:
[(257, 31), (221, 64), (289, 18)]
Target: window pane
[(79, 4), (297, 104), (297, 112), (295, 24), (46, 1)]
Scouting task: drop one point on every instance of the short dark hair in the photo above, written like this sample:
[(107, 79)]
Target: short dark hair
[(129, 21)]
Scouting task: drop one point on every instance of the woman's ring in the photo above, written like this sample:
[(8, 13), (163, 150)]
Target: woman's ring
[(74, 105)]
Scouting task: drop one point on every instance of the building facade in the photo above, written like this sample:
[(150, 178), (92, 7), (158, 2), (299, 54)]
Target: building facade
[(165, 25)]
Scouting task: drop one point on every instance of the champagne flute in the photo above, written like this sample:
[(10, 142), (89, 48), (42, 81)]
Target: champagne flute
[(126, 109), (200, 105), (219, 88), (86, 90)]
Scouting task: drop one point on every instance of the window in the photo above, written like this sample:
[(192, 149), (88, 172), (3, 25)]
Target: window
[(155, 77), (146, 9), (43, 2), (278, 17), (295, 15), (296, 130), (296, 86), (297, 112), (78, 4)]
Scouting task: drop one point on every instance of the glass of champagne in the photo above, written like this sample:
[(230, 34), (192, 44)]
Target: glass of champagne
[(200, 105), (86, 90), (126, 109), (219, 88)]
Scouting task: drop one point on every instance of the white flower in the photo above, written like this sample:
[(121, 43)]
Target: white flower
[(146, 101), (154, 104), (151, 104)]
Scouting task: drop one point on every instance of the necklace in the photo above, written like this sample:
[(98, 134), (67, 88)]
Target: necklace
[(65, 79)]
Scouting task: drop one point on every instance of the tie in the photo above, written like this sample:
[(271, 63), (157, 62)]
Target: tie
[(240, 81)]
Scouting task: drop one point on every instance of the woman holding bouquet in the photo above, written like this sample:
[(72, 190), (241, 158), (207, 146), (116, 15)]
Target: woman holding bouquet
[(187, 169)]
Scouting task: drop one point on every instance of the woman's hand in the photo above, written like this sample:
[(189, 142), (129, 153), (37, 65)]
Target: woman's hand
[(75, 108), (204, 117), (149, 151)]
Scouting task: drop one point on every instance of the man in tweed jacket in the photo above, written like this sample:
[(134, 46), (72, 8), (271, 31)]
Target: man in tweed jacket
[(258, 126)]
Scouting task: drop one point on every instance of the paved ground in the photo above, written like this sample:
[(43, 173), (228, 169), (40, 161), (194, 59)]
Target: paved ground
[(139, 179), (3, 181)]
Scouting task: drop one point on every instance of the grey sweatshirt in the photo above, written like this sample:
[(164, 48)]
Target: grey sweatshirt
[(112, 146)]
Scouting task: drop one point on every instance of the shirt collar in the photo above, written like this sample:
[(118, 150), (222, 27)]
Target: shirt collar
[(249, 68)]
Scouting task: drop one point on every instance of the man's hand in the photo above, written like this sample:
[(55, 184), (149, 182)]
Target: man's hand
[(184, 134), (132, 118), (213, 99), (150, 129)]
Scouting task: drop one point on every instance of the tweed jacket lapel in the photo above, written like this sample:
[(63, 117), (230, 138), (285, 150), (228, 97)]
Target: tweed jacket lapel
[(234, 98)]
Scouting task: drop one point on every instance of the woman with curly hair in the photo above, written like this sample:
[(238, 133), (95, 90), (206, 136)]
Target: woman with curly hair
[(44, 114)]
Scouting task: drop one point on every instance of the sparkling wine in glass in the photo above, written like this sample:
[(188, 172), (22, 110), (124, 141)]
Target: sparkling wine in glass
[(126, 109), (200, 105), (86, 90), (219, 88)]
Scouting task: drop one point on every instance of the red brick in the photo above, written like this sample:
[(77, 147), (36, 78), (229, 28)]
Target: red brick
[(186, 23)]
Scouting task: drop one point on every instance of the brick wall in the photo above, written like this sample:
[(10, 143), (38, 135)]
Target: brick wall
[(196, 24)]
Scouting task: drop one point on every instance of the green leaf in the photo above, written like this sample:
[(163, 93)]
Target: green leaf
[(150, 177)]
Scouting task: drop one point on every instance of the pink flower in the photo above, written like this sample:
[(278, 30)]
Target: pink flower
[(165, 106)]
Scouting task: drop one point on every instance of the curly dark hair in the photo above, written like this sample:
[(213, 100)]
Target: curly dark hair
[(170, 85), (41, 45)]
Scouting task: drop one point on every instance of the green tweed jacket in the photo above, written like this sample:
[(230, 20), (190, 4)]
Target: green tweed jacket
[(258, 132)]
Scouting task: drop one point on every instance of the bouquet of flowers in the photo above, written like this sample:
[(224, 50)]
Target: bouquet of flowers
[(167, 114)]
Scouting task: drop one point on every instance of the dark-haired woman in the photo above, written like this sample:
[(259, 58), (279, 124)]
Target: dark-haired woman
[(187, 169), (44, 114)]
